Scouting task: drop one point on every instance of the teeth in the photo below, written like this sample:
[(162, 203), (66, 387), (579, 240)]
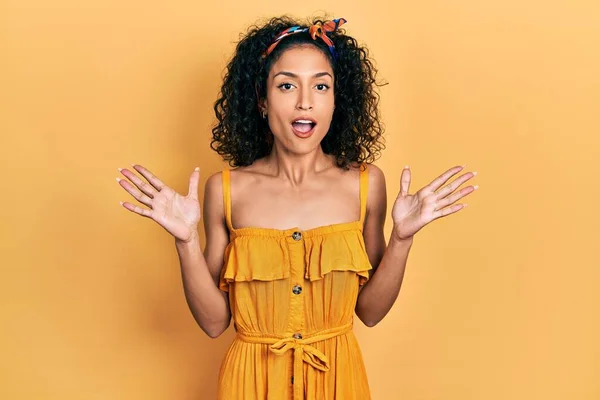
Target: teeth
[(303, 121)]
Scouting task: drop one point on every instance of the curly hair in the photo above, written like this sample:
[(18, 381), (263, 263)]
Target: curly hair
[(241, 136)]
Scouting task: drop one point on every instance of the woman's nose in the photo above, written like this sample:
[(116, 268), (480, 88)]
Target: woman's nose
[(305, 100)]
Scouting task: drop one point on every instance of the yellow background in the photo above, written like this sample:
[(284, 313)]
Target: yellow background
[(499, 301)]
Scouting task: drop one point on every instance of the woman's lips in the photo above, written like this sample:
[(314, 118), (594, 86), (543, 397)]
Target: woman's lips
[(302, 134)]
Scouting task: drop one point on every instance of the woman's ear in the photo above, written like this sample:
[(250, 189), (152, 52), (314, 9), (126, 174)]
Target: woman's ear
[(262, 108)]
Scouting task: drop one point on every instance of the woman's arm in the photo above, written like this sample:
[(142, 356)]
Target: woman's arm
[(411, 212), (200, 272), (378, 295)]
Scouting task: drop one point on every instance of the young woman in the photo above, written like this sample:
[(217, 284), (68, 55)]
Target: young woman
[(294, 234)]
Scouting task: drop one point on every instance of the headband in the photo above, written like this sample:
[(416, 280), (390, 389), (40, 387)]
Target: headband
[(316, 30)]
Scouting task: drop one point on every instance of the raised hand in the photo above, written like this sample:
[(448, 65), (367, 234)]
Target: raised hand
[(412, 212), (178, 214)]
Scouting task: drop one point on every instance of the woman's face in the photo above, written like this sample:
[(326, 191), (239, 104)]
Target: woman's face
[(300, 88)]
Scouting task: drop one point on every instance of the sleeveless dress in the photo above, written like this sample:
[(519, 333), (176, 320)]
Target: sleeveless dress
[(292, 295)]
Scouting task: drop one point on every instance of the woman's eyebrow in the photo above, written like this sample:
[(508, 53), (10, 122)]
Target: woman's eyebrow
[(292, 75)]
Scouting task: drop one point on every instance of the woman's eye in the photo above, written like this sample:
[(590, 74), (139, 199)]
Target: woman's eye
[(322, 87), (286, 86)]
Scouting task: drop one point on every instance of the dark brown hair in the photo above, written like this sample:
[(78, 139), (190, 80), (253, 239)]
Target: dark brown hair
[(241, 136)]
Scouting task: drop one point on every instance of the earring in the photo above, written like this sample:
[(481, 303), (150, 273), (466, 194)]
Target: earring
[(264, 113)]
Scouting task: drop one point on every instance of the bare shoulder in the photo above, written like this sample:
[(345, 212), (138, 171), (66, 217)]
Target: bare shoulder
[(377, 192), (376, 175), (215, 181), (241, 179), (376, 187), (214, 184), (245, 177), (213, 191)]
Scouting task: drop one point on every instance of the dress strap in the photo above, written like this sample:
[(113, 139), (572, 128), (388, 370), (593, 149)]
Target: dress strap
[(364, 188), (226, 175)]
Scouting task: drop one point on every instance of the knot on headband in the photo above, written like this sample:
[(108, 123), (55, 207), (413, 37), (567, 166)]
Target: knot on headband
[(318, 30)]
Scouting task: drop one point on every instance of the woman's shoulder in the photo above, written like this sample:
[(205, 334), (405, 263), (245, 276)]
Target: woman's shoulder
[(373, 171), (240, 170)]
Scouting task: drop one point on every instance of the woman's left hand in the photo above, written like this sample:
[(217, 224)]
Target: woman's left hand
[(411, 212)]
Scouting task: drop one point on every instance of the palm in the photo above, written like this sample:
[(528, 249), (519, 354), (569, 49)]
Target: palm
[(175, 213), (179, 215), (411, 213)]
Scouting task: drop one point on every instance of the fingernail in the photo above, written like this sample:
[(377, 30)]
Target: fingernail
[(406, 167), (118, 179), (475, 187), (120, 169), (197, 169), (475, 173)]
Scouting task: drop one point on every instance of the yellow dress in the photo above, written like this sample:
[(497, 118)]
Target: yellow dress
[(292, 296)]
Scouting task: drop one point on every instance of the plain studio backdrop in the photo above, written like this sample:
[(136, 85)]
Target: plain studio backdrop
[(499, 302)]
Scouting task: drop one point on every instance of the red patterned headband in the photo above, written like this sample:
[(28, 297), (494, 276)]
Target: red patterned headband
[(316, 30)]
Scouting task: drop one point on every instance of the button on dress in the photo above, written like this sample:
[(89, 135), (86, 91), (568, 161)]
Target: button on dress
[(292, 295)]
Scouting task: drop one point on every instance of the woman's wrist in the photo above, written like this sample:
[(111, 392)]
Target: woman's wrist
[(193, 240)]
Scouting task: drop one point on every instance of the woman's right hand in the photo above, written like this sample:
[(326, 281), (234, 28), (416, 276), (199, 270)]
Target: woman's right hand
[(178, 214)]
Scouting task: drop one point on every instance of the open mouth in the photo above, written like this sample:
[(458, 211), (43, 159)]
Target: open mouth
[(303, 127)]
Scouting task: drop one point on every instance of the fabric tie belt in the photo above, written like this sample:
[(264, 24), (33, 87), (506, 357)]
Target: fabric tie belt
[(302, 351)]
